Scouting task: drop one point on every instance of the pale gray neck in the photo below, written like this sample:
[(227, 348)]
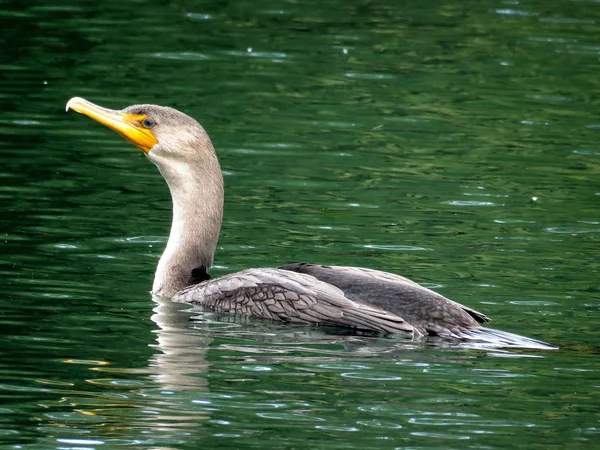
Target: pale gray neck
[(197, 194)]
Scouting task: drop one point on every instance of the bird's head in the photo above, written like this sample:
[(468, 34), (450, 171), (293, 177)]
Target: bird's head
[(165, 135)]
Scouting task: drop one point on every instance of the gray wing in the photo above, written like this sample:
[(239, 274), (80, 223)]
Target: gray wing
[(423, 308), (292, 297), (378, 274)]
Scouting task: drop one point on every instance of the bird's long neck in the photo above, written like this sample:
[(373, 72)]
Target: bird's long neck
[(197, 195)]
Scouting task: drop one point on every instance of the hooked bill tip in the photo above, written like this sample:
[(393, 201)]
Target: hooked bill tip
[(72, 101)]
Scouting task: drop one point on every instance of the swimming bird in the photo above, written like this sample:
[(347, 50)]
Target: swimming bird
[(355, 297)]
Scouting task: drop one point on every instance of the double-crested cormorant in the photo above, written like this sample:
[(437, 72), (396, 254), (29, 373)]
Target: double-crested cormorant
[(353, 297)]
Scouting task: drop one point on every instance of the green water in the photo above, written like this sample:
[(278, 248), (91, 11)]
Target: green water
[(455, 143)]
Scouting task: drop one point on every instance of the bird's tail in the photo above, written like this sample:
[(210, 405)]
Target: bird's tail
[(491, 338)]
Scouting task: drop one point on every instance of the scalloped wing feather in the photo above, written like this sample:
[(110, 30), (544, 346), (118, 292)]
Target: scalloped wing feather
[(292, 297), (423, 308)]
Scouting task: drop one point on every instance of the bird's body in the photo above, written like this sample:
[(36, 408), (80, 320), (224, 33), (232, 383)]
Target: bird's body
[(352, 297), (335, 295)]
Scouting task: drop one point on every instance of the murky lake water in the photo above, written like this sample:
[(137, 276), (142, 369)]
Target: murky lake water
[(456, 144)]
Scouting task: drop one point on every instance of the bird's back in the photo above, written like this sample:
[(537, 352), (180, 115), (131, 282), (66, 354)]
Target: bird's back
[(423, 308)]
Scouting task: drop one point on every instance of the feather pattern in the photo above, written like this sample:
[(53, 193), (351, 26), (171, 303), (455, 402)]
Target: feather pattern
[(424, 309), (278, 294)]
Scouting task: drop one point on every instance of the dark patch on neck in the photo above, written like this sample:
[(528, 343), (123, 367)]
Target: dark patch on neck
[(199, 274)]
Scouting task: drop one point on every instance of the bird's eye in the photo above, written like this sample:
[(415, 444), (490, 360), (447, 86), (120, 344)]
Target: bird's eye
[(148, 122)]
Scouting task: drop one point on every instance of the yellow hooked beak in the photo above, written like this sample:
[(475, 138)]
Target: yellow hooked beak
[(130, 126)]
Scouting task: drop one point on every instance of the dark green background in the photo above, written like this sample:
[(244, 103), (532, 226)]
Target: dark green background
[(405, 136)]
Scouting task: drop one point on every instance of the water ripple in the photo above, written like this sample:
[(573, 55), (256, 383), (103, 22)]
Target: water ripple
[(186, 56)]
